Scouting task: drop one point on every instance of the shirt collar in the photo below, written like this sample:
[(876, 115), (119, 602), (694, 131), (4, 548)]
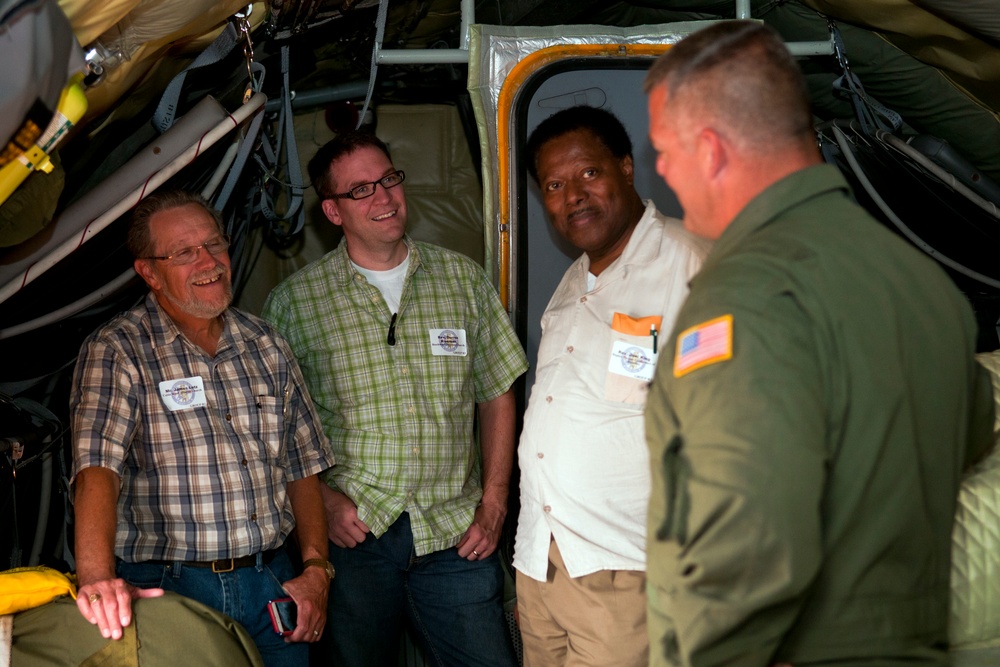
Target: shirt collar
[(162, 330), (642, 247), (778, 198), (344, 272)]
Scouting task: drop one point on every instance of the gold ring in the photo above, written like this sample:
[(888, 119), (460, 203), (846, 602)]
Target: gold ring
[(94, 598), (475, 553)]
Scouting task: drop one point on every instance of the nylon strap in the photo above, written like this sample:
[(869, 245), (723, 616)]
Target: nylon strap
[(163, 118), (870, 113)]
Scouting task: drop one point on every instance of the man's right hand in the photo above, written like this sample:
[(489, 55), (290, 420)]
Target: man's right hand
[(344, 527), (108, 604)]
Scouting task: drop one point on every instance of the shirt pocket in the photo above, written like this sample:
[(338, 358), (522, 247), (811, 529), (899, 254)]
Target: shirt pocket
[(632, 358), (262, 418)]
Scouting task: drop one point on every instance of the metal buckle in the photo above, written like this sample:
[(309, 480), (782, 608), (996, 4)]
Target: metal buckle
[(219, 569)]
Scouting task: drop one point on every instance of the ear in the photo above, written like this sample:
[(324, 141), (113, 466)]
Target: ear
[(146, 271), (331, 211), (628, 168), (713, 153)]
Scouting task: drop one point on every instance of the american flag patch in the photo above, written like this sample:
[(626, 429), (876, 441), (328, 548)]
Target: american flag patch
[(705, 344)]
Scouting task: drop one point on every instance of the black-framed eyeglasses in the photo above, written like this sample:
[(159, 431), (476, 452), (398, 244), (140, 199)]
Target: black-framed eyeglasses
[(188, 255), (366, 190)]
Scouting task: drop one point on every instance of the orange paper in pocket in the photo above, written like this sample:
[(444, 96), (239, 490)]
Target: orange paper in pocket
[(636, 326)]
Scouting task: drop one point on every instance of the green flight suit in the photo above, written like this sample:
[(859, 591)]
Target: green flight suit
[(804, 489)]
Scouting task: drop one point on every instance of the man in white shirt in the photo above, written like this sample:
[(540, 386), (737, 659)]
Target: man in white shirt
[(580, 545)]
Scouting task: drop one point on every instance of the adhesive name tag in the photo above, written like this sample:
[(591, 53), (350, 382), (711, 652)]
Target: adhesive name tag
[(448, 342), (183, 394), (633, 361)]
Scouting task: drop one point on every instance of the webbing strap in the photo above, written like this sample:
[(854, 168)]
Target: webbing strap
[(870, 113), (271, 163), (163, 118), (247, 143)]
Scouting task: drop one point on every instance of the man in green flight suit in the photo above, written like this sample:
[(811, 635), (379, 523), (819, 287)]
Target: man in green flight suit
[(808, 438)]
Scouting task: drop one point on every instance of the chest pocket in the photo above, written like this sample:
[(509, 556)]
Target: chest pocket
[(261, 418), (632, 358)]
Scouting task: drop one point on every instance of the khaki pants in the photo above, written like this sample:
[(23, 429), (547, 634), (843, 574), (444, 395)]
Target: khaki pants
[(597, 620)]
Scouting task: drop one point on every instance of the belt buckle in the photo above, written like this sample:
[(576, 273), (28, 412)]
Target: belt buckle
[(220, 566)]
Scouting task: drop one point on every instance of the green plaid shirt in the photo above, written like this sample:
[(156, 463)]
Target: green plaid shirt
[(400, 418)]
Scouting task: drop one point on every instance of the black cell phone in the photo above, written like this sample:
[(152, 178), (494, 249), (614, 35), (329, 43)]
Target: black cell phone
[(283, 615)]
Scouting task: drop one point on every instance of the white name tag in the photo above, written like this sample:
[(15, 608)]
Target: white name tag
[(183, 394), (448, 342), (632, 361)]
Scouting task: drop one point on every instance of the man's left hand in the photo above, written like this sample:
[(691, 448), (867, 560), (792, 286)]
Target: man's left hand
[(482, 537), (309, 590)]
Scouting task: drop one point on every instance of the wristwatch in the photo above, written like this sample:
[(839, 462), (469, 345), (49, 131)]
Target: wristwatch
[(323, 563)]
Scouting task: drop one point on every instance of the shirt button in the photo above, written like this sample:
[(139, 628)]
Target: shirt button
[(540, 455), (547, 508), (569, 348), (411, 409), (416, 450), (229, 417), (548, 399), (404, 370), (409, 494), (244, 463), (253, 517), (583, 299)]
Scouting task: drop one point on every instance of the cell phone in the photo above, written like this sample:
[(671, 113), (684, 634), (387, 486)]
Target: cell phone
[(284, 615)]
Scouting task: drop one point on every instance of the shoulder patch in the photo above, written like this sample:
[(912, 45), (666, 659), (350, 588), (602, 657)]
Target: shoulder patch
[(707, 343)]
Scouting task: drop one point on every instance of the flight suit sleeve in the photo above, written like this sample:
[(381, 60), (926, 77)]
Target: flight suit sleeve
[(736, 486)]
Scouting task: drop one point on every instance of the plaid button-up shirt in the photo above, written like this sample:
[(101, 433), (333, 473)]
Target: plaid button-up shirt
[(197, 483), (399, 417)]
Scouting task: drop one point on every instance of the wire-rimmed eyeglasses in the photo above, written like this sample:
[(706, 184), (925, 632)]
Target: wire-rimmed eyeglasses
[(189, 254), (366, 190)]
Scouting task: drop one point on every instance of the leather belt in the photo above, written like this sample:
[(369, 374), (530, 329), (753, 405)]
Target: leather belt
[(223, 564)]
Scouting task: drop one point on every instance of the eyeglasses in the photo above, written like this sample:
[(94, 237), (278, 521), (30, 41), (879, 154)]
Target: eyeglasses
[(366, 190), (188, 255)]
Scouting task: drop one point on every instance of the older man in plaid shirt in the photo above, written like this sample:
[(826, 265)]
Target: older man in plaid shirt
[(400, 342), (196, 447)]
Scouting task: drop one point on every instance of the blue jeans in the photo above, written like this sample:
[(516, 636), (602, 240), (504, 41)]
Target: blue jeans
[(242, 595), (453, 605)]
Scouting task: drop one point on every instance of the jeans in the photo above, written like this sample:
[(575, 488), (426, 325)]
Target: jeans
[(242, 595), (453, 605)]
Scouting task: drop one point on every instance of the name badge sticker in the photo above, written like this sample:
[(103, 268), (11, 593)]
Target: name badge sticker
[(632, 361), (448, 342), (183, 394)]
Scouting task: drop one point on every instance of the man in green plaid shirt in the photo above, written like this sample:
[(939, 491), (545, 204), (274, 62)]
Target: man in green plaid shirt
[(400, 342)]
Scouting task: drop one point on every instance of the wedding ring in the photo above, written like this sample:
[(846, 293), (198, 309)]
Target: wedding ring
[(94, 598), (316, 633), (475, 553)]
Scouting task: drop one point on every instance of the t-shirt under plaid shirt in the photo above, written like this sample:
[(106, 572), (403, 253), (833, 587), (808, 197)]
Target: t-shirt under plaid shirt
[(204, 446), (400, 415)]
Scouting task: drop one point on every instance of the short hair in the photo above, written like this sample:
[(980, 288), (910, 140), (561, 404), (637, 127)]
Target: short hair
[(139, 240), (603, 124), (333, 150), (742, 75)]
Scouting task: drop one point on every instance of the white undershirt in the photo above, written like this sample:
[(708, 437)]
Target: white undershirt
[(389, 283)]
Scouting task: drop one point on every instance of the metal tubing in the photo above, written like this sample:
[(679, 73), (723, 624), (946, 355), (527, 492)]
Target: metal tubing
[(438, 56), (811, 48), (422, 56)]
